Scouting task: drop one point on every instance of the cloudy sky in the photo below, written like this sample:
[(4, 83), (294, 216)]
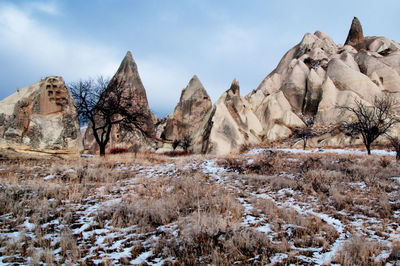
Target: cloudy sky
[(171, 40)]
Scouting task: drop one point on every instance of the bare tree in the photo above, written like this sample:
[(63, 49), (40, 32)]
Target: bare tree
[(395, 143), (185, 142), (104, 106), (371, 121), (306, 132)]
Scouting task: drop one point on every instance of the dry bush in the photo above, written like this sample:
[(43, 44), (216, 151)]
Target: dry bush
[(395, 253), (267, 162), (163, 200), (68, 244), (175, 153), (117, 150), (339, 198), (305, 230), (210, 238), (359, 251)]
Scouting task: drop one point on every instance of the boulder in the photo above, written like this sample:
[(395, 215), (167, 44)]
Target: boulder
[(277, 117), (229, 124), (388, 77), (313, 93), (331, 98), (41, 118), (382, 45), (345, 78), (191, 109), (127, 77), (355, 37), (392, 60), (294, 87)]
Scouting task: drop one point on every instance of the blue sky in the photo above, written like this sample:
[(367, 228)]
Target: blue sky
[(171, 40)]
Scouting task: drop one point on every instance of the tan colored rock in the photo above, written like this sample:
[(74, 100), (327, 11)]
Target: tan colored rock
[(190, 111), (332, 97), (348, 59), (346, 78), (317, 76), (328, 45), (382, 44), (350, 49), (388, 77), (294, 87), (41, 118), (229, 124), (277, 117), (313, 93), (127, 77)]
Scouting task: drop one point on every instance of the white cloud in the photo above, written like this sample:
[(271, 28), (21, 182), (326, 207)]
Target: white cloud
[(163, 82), (236, 40), (49, 7), (41, 49), (44, 49)]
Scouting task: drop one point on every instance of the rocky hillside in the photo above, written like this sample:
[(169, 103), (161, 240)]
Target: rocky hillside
[(317, 75)]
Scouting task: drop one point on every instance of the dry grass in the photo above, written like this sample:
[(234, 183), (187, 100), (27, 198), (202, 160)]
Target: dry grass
[(189, 216), (359, 251)]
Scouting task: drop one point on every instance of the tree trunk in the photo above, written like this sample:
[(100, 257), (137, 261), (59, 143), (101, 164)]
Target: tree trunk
[(304, 144), (368, 146), (102, 149), (398, 155)]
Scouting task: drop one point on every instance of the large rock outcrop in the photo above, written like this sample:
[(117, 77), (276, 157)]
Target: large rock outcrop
[(41, 118), (228, 125), (316, 76), (128, 80), (190, 111)]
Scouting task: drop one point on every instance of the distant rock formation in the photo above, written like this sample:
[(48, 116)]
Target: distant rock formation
[(355, 37), (127, 77), (228, 125), (41, 118), (191, 109), (316, 76)]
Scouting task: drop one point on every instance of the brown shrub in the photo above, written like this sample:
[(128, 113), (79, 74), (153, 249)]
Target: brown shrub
[(211, 239), (358, 251), (117, 150), (395, 253)]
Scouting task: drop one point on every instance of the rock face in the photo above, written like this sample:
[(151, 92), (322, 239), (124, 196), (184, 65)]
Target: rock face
[(355, 37), (316, 76), (127, 78), (193, 105), (41, 117), (228, 125)]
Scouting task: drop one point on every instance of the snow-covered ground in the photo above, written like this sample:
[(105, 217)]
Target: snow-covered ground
[(303, 222), (325, 150)]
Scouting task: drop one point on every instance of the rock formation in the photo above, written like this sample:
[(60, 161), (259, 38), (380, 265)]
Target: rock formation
[(126, 78), (355, 37), (228, 125), (191, 109), (41, 117), (316, 76)]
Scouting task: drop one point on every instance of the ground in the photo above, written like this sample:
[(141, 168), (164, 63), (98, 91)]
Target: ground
[(262, 207)]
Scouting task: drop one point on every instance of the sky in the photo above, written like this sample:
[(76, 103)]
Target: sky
[(171, 40)]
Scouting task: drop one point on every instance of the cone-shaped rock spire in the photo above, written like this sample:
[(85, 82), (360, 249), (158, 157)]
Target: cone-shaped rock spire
[(189, 112), (127, 81), (355, 37)]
